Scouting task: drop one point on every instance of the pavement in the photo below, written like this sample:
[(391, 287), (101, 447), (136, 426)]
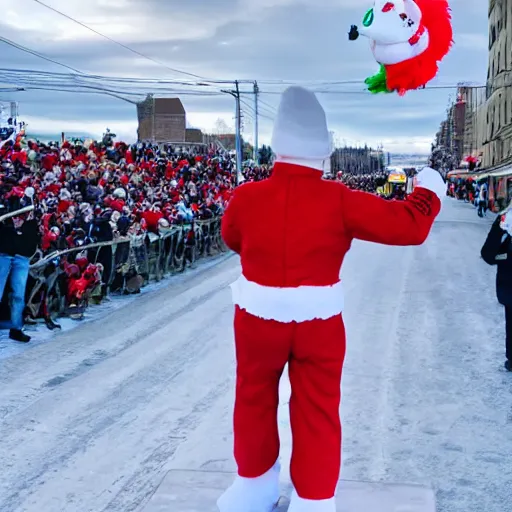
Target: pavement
[(93, 418)]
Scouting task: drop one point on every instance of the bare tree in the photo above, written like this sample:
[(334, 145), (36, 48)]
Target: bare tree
[(222, 128)]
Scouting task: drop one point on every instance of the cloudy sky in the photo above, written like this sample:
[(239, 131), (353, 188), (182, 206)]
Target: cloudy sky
[(272, 41)]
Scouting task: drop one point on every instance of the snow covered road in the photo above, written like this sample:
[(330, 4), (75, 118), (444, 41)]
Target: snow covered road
[(92, 419)]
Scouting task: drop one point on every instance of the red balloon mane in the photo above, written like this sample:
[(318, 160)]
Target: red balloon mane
[(417, 72)]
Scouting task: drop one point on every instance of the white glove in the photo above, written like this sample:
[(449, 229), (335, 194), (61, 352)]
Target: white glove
[(431, 180)]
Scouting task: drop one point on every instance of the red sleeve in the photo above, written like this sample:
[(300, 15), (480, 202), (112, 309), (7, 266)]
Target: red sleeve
[(373, 219), (230, 228)]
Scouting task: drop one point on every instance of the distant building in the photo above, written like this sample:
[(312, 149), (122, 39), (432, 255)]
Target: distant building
[(462, 133), (485, 112), (161, 120), (498, 125), (228, 141), (194, 135)]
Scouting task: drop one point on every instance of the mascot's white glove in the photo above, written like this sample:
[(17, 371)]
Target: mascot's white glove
[(431, 180), (506, 222)]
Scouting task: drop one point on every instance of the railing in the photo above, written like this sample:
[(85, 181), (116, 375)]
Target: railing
[(149, 257)]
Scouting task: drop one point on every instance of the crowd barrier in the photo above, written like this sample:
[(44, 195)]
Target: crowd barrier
[(146, 258)]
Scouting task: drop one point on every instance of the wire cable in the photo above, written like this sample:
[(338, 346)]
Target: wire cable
[(174, 70), (36, 54)]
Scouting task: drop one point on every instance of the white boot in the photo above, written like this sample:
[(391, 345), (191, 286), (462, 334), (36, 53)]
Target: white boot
[(259, 494), (298, 504)]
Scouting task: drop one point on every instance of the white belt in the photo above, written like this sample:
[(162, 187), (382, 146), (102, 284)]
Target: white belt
[(299, 304)]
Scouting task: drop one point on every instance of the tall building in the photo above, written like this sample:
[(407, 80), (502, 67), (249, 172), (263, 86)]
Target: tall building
[(161, 120), (498, 123), (450, 148), (458, 119), (474, 121)]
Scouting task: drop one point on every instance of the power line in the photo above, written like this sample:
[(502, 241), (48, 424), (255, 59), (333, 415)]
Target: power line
[(42, 84), (365, 92), (36, 80), (268, 105), (253, 112), (36, 54), (103, 79), (157, 81), (41, 56), (116, 42)]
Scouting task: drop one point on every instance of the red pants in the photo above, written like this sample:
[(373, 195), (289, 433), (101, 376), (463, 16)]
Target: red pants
[(315, 352)]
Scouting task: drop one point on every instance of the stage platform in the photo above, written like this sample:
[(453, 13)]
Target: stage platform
[(197, 491)]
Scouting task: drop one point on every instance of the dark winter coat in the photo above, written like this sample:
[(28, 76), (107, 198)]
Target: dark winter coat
[(19, 242), (101, 230), (497, 250)]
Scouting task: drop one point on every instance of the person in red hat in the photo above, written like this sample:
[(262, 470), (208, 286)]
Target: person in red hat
[(289, 304)]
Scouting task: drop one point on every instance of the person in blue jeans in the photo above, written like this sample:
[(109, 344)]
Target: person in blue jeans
[(19, 238)]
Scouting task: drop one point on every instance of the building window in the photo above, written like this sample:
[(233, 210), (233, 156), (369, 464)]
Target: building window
[(499, 112)]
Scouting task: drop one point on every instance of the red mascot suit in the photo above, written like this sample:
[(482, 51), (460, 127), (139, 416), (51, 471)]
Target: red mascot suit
[(292, 232)]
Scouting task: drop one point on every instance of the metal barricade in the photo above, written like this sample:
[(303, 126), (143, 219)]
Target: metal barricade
[(150, 256)]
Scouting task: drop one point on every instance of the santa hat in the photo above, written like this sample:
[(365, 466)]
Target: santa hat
[(300, 129)]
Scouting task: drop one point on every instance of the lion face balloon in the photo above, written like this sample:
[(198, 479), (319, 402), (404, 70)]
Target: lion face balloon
[(407, 38)]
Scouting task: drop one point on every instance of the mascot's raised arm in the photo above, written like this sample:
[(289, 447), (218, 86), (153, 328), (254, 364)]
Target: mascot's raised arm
[(408, 39)]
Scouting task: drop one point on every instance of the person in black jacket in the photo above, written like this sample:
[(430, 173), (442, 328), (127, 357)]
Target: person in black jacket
[(497, 250), (100, 230), (19, 238)]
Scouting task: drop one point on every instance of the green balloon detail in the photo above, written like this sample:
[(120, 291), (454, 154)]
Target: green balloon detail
[(378, 83), (368, 18)]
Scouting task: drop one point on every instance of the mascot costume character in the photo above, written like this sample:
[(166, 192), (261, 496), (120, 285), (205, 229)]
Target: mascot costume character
[(408, 39), (289, 304)]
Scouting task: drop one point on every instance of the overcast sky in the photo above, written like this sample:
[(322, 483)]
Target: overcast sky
[(266, 40)]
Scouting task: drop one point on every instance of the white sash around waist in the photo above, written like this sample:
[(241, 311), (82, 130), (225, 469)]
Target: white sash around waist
[(299, 304)]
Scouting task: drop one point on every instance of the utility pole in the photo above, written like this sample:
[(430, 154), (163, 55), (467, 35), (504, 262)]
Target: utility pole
[(238, 130), (256, 157), (238, 133)]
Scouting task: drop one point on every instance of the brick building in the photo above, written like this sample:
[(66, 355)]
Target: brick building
[(161, 120), (194, 135)]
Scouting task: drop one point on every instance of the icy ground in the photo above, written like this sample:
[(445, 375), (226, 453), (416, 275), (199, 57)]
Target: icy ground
[(41, 334), (91, 419)]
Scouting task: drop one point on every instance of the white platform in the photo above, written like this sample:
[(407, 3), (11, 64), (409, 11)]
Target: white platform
[(197, 491)]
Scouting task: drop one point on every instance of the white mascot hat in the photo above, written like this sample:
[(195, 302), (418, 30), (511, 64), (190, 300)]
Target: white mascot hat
[(300, 128)]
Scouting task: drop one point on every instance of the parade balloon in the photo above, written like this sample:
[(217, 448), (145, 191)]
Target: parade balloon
[(408, 39)]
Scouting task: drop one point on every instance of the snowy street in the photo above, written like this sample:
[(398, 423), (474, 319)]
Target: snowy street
[(92, 418)]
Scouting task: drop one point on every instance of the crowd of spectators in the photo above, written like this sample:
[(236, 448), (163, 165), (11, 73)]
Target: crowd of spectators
[(95, 191), (365, 182), (85, 192), (90, 191), (475, 192), (374, 183)]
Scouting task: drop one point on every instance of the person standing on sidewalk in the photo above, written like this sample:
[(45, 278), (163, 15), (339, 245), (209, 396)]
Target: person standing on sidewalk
[(19, 239), (497, 250), (482, 200)]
